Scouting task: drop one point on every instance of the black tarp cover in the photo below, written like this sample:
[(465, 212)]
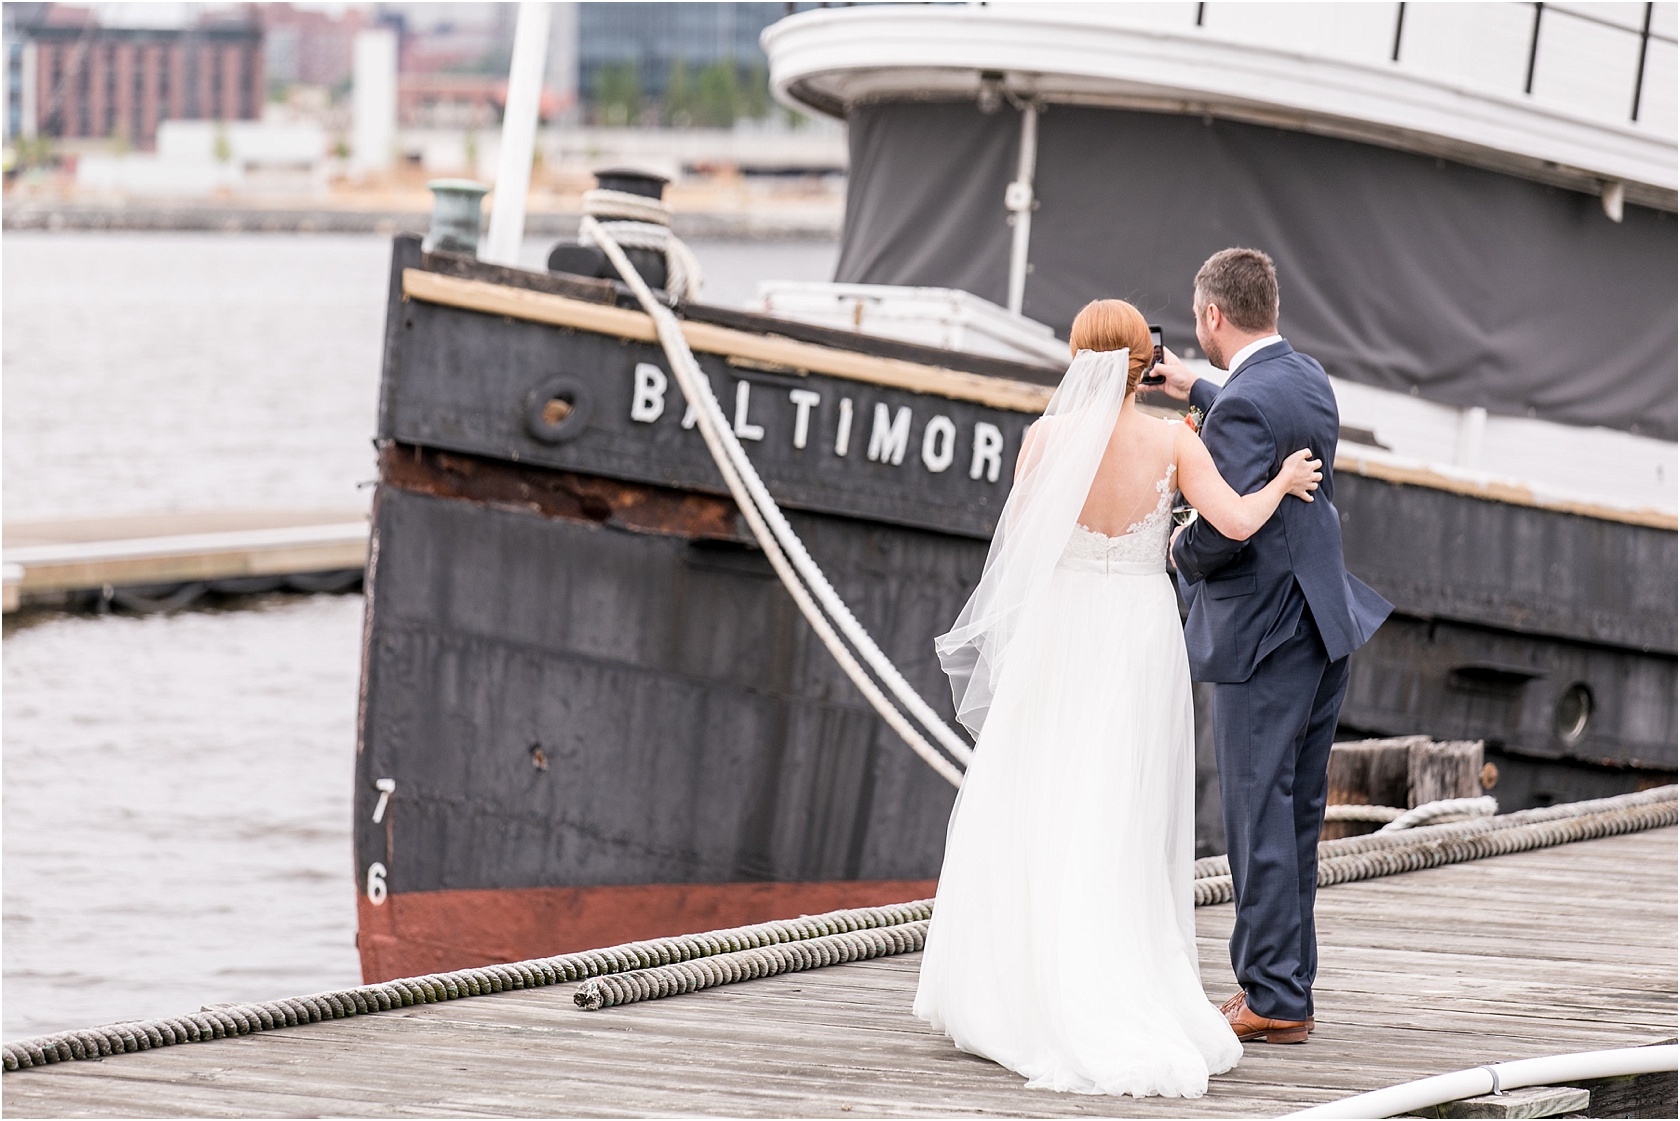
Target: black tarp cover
[(1401, 271)]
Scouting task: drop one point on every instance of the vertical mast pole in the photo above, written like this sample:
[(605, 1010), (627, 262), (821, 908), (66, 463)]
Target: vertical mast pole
[(1019, 199), (519, 136)]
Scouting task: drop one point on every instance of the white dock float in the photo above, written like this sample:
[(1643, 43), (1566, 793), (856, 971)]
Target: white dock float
[(45, 558)]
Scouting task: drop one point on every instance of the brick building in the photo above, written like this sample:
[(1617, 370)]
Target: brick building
[(311, 47), (98, 82)]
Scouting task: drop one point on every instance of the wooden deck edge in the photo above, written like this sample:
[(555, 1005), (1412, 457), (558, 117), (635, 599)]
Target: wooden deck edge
[(1016, 396)]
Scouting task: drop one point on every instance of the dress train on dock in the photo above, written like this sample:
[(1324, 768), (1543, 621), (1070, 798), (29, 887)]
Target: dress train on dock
[(1063, 937)]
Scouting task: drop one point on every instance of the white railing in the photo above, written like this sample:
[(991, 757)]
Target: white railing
[(1614, 63)]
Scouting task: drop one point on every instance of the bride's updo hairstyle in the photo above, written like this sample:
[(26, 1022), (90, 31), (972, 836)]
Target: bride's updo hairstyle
[(1114, 325)]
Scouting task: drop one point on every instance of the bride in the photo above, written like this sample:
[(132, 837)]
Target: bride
[(1063, 943)]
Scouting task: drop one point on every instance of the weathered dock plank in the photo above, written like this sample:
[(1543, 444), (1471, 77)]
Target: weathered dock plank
[(1563, 949)]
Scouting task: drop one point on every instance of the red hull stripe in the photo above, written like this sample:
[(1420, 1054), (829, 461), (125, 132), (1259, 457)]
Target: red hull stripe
[(435, 931)]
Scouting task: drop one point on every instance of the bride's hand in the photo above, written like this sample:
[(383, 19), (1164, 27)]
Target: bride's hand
[(1301, 474)]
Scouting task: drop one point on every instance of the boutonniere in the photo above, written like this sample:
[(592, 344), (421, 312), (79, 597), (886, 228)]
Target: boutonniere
[(1193, 420)]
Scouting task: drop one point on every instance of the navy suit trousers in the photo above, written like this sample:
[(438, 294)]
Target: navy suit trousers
[(1272, 736)]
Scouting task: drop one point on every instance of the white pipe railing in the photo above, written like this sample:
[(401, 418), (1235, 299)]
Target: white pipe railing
[(1553, 1070)]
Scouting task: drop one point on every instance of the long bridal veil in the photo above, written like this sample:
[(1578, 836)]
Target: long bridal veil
[(1062, 455)]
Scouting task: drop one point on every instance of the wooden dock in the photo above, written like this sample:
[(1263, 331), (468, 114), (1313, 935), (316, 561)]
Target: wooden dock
[(1562, 949), (47, 559)]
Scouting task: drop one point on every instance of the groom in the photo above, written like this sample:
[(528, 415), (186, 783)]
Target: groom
[(1272, 623)]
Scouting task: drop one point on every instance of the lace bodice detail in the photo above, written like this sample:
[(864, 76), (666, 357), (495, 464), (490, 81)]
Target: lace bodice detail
[(1143, 544)]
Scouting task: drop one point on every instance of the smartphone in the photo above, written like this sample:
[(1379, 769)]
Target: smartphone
[(1150, 377)]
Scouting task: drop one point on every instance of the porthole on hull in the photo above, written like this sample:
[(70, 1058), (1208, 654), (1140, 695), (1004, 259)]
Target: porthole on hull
[(1573, 714)]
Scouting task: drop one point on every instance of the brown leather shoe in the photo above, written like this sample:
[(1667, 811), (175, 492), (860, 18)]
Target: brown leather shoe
[(1252, 1028), (1236, 1001)]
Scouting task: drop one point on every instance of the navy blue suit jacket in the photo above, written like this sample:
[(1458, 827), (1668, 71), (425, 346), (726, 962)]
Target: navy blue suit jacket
[(1243, 594)]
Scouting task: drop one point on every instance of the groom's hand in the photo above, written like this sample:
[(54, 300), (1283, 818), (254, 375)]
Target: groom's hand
[(1178, 375)]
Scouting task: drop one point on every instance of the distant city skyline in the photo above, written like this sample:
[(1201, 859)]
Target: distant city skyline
[(114, 71)]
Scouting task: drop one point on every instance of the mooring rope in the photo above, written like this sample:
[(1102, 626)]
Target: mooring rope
[(804, 580), (1376, 855), (1376, 815), (1447, 809), (1384, 854), (645, 223), (221, 1021), (748, 965), (1210, 867), (599, 203), (650, 969), (1395, 818)]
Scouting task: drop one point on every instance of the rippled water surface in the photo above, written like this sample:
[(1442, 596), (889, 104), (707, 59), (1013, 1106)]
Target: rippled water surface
[(177, 788), (151, 372), (177, 810)]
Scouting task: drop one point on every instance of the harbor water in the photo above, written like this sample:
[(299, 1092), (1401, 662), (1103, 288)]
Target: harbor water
[(177, 788)]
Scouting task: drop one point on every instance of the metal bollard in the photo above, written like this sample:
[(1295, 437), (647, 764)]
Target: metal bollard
[(456, 215)]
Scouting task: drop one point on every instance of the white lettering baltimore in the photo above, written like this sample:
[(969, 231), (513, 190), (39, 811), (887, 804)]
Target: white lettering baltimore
[(988, 451), (843, 434), (804, 401), (743, 401), (648, 402), (939, 444), (890, 436)]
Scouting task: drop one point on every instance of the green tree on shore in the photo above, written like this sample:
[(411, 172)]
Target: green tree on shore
[(717, 95), (755, 94), (618, 94), (679, 96)]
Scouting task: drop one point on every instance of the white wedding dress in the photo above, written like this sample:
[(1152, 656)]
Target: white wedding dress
[(1063, 937)]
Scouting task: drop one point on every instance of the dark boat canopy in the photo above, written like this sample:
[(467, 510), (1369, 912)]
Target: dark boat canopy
[(1397, 270)]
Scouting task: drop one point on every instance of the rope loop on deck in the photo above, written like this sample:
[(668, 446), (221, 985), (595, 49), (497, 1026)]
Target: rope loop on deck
[(1395, 818), (1447, 809), (748, 965), (604, 204), (1378, 815), (640, 222)]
